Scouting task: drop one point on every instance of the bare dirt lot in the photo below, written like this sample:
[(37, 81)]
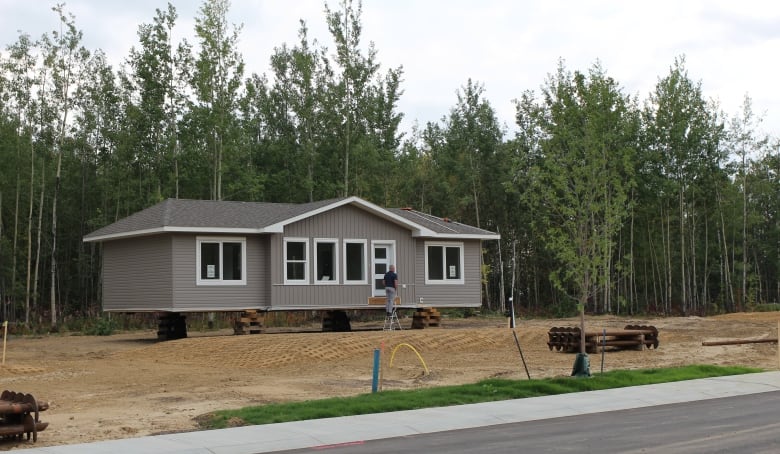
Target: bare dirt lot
[(130, 385)]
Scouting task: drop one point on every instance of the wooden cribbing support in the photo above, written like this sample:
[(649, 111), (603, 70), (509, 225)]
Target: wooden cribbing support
[(250, 322), (739, 342), (424, 317)]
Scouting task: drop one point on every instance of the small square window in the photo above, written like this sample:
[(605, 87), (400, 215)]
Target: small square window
[(444, 263), (221, 261)]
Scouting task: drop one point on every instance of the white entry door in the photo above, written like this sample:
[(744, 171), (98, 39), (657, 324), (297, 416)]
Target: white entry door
[(382, 257)]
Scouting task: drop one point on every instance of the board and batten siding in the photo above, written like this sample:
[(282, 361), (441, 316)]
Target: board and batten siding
[(137, 274), (188, 296), (345, 222), (451, 295)]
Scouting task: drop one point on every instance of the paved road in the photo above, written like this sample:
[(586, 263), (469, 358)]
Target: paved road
[(606, 409), (743, 424)]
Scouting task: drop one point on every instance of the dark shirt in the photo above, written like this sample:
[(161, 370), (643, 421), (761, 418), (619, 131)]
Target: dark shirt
[(391, 279)]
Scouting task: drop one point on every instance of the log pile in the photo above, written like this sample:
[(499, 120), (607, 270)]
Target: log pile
[(634, 337), (19, 416)]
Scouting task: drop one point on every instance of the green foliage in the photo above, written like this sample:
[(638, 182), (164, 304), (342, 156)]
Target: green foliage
[(584, 132), (771, 307), (101, 326), (668, 208), (484, 391), (682, 188)]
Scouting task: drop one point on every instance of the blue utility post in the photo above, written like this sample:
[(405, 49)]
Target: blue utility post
[(375, 380)]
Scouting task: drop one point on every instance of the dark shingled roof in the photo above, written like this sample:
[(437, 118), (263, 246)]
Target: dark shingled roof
[(439, 225), (247, 217)]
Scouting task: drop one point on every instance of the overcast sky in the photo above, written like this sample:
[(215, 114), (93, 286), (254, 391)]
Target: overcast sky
[(509, 46)]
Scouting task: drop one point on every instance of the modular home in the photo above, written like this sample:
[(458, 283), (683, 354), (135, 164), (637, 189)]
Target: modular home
[(210, 256)]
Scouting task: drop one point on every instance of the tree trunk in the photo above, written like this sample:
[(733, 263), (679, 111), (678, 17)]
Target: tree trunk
[(53, 286), (2, 294), (744, 233), (16, 237), (655, 269), (705, 269), (632, 291), (666, 237), (692, 281), (29, 236), (13, 257), (582, 302), (39, 234), (176, 151), (683, 298), (220, 151), (502, 295), (725, 251), (348, 88)]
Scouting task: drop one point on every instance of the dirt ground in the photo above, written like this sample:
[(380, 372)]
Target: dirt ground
[(130, 385)]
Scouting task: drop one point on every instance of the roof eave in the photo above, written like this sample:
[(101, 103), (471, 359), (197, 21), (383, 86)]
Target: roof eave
[(169, 229), (460, 236)]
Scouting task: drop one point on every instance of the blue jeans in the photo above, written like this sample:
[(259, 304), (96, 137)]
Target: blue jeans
[(390, 293)]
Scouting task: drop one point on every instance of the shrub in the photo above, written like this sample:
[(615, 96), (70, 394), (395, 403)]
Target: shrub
[(102, 326)]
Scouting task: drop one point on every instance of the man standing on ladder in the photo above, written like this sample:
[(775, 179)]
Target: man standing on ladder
[(391, 287)]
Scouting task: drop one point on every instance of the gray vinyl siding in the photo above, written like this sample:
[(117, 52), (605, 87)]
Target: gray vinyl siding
[(188, 296), (137, 274), (451, 295), (158, 272), (346, 222)]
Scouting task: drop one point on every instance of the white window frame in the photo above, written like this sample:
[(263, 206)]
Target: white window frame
[(364, 264), (334, 280), (306, 262), (444, 246), (220, 240)]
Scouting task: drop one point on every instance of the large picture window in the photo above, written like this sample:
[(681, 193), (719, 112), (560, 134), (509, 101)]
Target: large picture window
[(326, 269), (443, 263), (221, 261), (296, 261), (355, 267)]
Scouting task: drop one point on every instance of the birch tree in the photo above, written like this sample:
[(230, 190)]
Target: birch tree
[(683, 155), (363, 103), (216, 79), (748, 144), (64, 56), (297, 98), (21, 65)]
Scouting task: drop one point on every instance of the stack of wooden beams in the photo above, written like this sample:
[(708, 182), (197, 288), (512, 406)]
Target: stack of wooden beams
[(250, 322), (425, 317)]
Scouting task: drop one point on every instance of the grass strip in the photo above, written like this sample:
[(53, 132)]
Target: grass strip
[(490, 390)]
